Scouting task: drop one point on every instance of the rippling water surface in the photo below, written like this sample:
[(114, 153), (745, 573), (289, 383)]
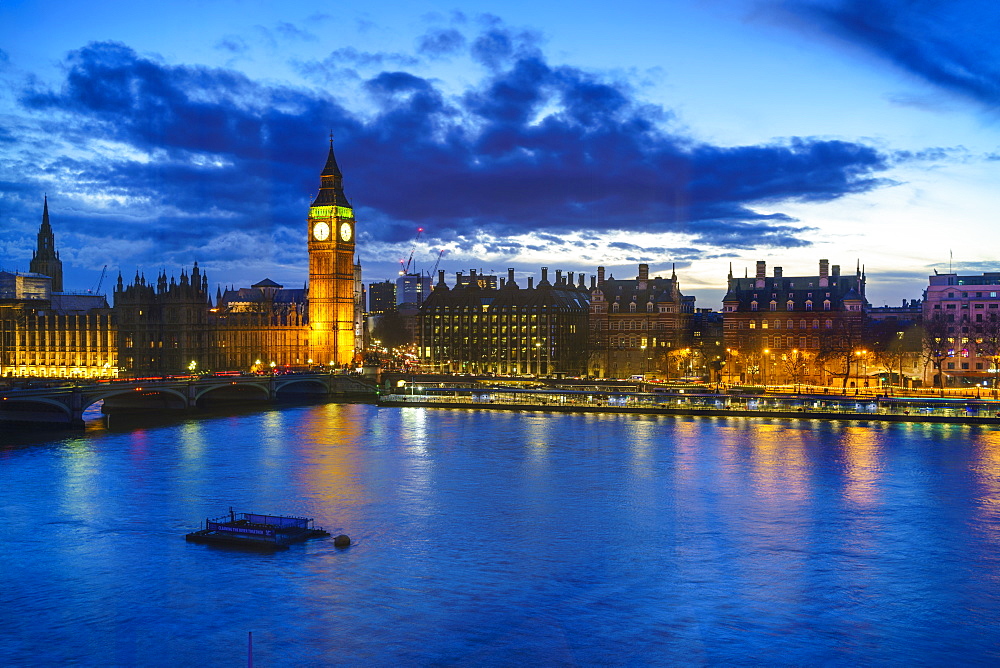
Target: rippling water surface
[(500, 538)]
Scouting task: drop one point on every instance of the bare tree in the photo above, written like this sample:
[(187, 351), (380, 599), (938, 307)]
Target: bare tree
[(839, 351), (988, 342), (938, 346), (891, 344), (794, 364)]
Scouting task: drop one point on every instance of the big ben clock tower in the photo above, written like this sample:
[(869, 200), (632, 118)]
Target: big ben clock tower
[(331, 270)]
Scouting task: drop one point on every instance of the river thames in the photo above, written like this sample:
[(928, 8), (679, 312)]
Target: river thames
[(500, 538)]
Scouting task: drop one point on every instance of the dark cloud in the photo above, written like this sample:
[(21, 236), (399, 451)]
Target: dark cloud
[(293, 32), (949, 43), (532, 148), (233, 44), (441, 42)]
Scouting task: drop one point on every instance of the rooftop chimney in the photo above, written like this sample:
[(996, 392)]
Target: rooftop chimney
[(761, 273), (545, 276), (777, 272), (643, 272), (600, 275), (569, 278), (824, 273), (531, 282), (836, 270)]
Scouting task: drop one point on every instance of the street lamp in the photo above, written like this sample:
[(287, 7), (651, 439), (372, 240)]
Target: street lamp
[(764, 367), (860, 354), (538, 355), (192, 366)]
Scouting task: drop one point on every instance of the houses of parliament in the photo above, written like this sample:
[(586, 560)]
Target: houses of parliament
[(169, 325)]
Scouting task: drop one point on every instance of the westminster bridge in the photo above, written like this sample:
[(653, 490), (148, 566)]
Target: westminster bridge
[(65, 403)]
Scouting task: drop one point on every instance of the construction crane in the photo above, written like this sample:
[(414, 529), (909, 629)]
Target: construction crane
[(406, 267), (100, 281), (434, 270)]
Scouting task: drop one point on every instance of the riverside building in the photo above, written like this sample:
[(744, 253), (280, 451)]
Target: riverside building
[(639, 326), (794, 329), (168, 325), (47, 332), (507, 330), (962, 329)]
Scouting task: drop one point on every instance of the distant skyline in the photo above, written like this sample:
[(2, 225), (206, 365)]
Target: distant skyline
[(567, 135)]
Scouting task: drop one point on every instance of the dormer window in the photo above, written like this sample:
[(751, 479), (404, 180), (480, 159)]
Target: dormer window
[(789, 305), (649, 307), (614, 307), (826, 304), (809, 305), (774, 305), (753, 306), (631, 307)]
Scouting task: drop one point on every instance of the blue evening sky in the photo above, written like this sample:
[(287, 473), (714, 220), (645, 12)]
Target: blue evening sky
[(517, 134)]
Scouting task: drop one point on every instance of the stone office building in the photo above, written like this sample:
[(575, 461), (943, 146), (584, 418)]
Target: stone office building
[(538, 330)]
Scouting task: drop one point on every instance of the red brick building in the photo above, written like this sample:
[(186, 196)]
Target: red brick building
[(795, 329)]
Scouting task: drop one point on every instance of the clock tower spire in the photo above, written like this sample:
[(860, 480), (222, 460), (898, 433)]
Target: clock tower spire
[(331, 269)]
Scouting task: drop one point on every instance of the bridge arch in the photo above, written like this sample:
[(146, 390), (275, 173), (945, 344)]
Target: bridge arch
[(304, 385), (233, 389), (22, 406)]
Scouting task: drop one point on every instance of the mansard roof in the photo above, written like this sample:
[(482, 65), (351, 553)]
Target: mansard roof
[(798, 289), (561, 296), (656, 290)]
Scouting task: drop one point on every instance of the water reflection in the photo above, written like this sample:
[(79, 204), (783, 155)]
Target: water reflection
[(80, 484), (505, 538), (987, 470), (861, 446)]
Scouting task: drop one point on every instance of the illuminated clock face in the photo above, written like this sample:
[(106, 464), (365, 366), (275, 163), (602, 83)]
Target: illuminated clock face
[(321, 231), (346, 231)]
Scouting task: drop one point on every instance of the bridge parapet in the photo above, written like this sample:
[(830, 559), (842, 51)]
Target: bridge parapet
[(67, 403)]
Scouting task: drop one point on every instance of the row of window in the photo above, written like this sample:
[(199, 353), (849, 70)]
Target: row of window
[(615, 308), (776, 324)]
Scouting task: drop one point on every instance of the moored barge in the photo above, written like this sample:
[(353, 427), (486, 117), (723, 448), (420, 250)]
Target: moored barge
[(256, 532)]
